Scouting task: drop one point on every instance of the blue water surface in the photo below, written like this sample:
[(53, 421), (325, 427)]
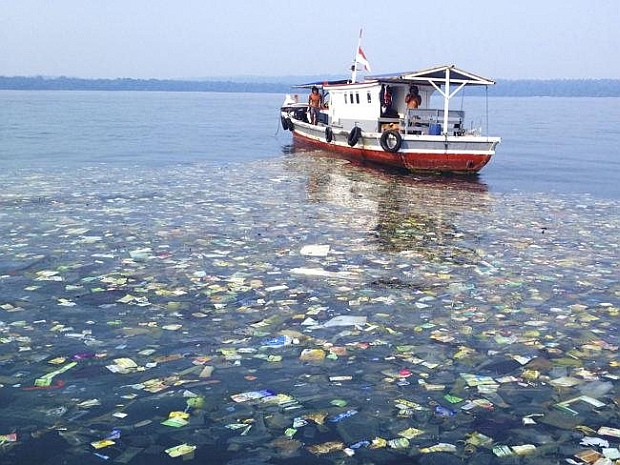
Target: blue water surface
[(563, 145)]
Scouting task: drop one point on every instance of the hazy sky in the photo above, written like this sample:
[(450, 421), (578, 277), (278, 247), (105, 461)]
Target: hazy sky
[(505, 39)]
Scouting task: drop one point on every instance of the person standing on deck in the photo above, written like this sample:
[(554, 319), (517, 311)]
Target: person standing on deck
[(315, 101), (413, 98)]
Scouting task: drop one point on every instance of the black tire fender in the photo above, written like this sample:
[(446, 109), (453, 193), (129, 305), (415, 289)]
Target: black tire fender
[(284, 122), (391, 140), (329, 134), (354, 136), (290, 124)]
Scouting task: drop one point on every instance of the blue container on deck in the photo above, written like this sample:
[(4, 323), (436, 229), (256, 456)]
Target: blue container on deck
[(434, 129)]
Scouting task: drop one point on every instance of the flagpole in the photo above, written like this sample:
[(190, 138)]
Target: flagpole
[(354, 69)]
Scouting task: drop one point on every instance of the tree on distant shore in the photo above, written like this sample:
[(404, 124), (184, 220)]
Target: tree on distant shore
[(504, 88)]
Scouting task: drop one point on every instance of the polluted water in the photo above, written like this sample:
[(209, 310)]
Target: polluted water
[(304, 310)]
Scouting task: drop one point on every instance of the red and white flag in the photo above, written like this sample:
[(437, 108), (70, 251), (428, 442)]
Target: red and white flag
[(361, 59)]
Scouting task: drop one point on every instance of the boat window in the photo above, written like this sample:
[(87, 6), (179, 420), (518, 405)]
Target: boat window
[(346, 100), (369, 97), (357, 97), (351, 95)]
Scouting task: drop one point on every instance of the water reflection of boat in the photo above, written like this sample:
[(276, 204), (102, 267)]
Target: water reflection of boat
[(445, 180), (355, 168), (401, 212)]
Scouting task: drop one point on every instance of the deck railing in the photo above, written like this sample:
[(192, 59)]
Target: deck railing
[(429, 121)]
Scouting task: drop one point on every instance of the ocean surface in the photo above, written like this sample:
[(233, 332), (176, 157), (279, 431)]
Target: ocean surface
[(179, 282), (549, 145)]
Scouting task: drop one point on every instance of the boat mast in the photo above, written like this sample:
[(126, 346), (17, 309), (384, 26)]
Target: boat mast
[(354, 66)]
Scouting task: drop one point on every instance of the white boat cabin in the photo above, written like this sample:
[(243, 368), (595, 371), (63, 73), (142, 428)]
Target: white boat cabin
[(373, 106), (378, 103)]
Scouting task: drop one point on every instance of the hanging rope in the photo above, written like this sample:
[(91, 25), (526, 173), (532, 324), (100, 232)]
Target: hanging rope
[(486, 98)]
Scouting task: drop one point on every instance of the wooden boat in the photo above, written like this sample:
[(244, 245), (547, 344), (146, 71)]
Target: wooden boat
[(369, 121)]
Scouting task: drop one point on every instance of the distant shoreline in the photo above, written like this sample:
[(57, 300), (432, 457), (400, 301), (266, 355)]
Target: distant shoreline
[(504, 88)]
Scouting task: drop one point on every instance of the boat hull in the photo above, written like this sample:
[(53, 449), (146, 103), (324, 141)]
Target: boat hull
[(443, 154)]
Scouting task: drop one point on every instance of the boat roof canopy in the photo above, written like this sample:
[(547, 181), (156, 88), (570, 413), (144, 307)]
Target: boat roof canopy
[(437, 75), (320, 84)]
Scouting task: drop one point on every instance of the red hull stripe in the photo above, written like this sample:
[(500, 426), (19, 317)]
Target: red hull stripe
[(453, 162)]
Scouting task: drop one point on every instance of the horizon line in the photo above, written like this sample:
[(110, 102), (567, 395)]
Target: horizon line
[(265, 78)]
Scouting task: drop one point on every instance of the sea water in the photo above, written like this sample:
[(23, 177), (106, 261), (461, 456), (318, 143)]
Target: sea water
[(549, 144), (150, 243)]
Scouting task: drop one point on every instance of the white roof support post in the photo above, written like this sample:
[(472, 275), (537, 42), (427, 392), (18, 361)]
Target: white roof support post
[(446, 103)]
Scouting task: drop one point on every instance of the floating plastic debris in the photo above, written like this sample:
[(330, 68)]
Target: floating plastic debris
[(183, 298), (180, 450)]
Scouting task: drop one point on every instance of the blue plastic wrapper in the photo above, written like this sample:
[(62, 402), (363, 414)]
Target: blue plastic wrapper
[(359, 445), (278, 341), (342, 416), (444, 411)]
